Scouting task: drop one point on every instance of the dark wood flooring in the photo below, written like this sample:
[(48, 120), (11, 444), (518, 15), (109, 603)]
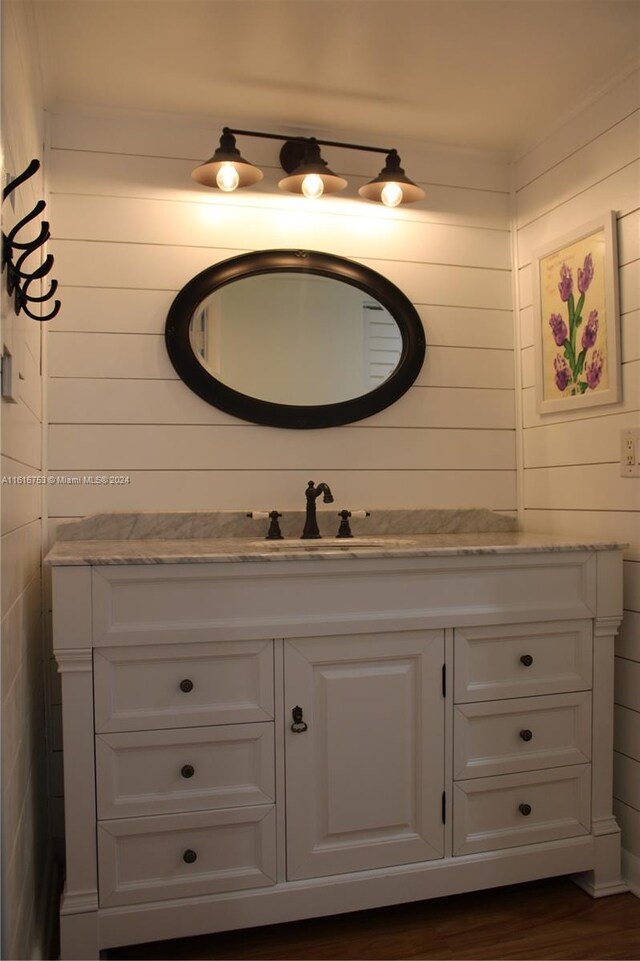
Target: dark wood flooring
[(551, 919)]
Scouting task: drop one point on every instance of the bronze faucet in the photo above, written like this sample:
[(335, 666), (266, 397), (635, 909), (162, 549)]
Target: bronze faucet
[(312, 493)]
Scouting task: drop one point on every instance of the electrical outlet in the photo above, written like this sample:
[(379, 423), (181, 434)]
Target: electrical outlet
[(630, 453)]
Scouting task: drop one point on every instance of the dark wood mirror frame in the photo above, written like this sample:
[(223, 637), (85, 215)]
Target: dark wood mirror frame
[(199, 380)]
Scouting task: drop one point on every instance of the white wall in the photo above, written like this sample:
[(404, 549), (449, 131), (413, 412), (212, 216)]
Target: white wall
[(572, 482), (130, 229), (25, 850)]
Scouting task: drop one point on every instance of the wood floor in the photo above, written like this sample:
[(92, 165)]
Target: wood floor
[(539, 920)]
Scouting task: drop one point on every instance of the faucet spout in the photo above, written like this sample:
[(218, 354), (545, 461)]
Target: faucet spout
[(312, 493)]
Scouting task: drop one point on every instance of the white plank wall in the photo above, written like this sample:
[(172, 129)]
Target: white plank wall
[(25, 858), (572, 481), (131, 228)]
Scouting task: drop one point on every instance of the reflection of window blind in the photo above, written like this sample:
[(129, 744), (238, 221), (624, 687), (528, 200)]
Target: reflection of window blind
[(382, 343), (199, 333)]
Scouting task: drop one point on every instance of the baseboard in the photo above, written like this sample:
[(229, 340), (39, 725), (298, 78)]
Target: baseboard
[(631, 871)]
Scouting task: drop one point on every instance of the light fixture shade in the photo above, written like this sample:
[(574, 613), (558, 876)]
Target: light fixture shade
[(392, 173), (227, 153), (312, 163)]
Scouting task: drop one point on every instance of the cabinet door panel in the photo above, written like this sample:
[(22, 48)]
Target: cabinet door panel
[(365, 780)]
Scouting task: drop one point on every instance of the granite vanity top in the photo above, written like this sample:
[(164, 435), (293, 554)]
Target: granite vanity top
[(229, 536)]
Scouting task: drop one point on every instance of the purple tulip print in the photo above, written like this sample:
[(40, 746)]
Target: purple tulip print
[(575, 369), (585, 274), (566, 283), (594, 370), (559, 329), (590, 332), (563, 374)]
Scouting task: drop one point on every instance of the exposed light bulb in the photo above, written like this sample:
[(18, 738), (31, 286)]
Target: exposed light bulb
[(227, 177), (312, 186), (391, 194)]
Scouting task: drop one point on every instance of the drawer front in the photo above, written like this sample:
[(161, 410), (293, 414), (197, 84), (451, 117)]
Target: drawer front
[(189, 769), (523, 734), (152, 859), (522, 660), (183, 685), (491, 813)]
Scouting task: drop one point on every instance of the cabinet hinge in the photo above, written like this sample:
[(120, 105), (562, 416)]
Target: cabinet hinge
[(444, 680), (444, 807)]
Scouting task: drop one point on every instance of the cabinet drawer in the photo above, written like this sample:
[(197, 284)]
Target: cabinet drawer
[(152, 859), (183, 685), (522, 660), (189, 769), (523, 734), (490, 813)]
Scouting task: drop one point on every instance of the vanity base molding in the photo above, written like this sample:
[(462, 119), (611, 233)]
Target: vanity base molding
[(338, 894), (247, 744)]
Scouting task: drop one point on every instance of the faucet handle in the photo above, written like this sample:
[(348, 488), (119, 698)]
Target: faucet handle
[(345, 530), (274, 533)]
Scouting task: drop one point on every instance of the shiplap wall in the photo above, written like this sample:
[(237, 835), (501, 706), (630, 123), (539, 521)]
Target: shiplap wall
[(572, 482), (130, 229), (25, 849)]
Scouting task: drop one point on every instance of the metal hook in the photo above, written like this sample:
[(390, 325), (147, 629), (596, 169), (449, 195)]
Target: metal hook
[(56, 307), (15, 271), (37, 210), (41, 299), (39, 272), (21, 178)]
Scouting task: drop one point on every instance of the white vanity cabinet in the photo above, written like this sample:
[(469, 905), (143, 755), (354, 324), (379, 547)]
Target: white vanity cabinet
[(248, 743)]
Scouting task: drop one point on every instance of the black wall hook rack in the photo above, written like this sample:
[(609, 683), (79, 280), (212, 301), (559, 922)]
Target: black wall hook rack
[(19, 277)]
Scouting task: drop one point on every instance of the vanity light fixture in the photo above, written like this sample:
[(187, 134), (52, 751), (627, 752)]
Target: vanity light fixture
[(392, 187), (227, 168), (311, 176), (307, 171)]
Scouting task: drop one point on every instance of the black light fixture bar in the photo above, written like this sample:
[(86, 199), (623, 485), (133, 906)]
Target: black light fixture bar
[(301, 139), (308, 173)]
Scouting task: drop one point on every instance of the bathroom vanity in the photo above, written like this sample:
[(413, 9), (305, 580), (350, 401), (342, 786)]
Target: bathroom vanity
[(258, 732)]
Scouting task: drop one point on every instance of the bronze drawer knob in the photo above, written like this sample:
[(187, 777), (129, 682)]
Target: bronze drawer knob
[(527, 660), (525, 810), (189, 856), (526, 735), (186, 686), (188, 770)]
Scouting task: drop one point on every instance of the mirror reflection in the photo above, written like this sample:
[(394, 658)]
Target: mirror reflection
[(295, 338)]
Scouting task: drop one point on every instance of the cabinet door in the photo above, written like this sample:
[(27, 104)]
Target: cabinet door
[(365, 779)]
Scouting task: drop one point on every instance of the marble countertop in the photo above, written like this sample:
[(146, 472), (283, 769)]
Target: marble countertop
[(248, 550)]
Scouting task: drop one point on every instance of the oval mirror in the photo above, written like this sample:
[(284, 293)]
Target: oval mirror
[(295, 339)]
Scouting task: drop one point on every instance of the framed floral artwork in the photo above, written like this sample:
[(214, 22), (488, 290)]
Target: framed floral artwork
[(576, 318)]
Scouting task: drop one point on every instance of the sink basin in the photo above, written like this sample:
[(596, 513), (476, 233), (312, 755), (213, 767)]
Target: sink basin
[(332, 543)]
